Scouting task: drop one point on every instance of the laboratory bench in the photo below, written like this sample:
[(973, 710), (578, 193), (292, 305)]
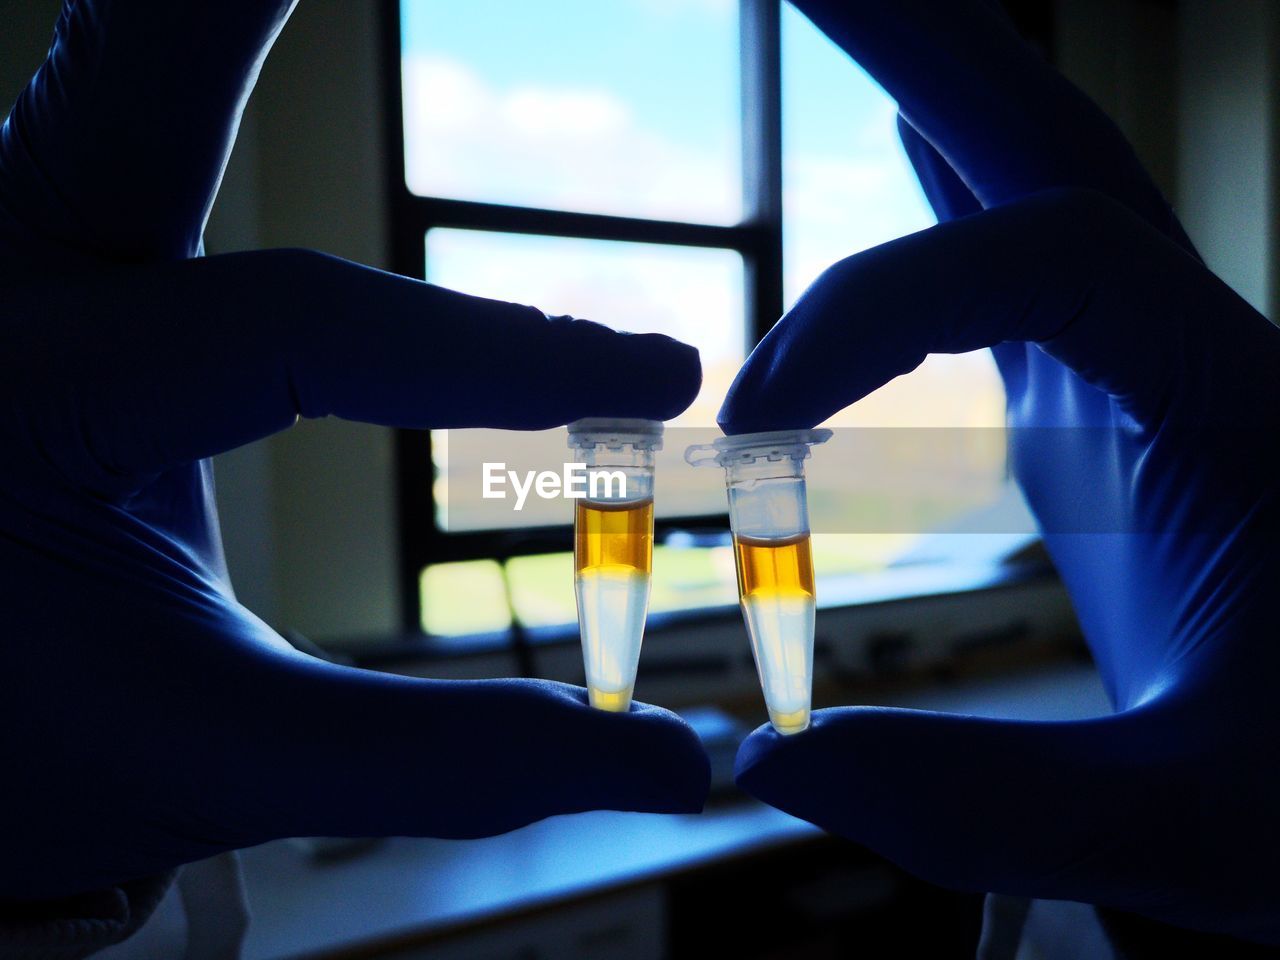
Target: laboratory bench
[(739, 880)]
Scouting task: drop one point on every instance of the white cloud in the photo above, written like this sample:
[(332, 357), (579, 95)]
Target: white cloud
[(576, 148), (720, 8), (837, 206), (556, 115)]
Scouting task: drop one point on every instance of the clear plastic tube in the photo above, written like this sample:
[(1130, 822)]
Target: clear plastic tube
[(768, 512), (613, 551)]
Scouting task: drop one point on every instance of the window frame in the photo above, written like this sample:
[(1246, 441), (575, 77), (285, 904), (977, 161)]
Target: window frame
[(757, 238)]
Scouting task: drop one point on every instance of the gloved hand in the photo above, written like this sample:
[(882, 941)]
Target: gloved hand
[(148, 718), (1143, 402)]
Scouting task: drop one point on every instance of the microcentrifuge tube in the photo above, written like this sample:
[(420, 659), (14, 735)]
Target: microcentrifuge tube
[(613, 551), (768, 513)]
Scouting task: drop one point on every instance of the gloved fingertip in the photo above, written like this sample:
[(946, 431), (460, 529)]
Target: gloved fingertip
[(686, 769), (646, 375), (753, 755), (732, 426), (777, 769), (740, 417), (686, 353), (761, 770), (736, 414), (758, 401), (676, 374), (700, 782), (615, 373), (655, 761)]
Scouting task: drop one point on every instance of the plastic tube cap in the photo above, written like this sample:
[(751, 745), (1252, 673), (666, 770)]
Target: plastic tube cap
[(614, 433), (743, 448)]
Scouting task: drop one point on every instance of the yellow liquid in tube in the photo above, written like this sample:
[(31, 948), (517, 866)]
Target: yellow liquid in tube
[(775, 588), (613, 562)]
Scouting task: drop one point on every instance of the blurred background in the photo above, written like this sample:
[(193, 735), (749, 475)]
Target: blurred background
[(687, 167)]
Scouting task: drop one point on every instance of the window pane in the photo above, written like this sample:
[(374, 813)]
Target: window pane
[(627, 107), (690, 293), (848, 186), (484, 609), (542, 589), (684, 578)]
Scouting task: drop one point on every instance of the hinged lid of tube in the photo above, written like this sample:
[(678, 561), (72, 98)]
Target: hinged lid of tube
[(614, 433), (747, 448)]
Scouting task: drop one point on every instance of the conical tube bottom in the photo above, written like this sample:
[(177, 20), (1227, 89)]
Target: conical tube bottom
[(786, 724), (775, 580), (612, 602), (614, 701), (781, 630), (613, 557)]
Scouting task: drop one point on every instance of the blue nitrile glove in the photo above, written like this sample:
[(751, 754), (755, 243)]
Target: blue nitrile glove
[(148, 719), (1144, 397)]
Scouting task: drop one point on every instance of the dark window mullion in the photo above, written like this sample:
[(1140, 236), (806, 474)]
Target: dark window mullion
[(431, 212), (414, 500), (761, 29)]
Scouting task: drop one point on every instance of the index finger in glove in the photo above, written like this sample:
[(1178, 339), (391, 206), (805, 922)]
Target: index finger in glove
[(133, 370), (1087, 281)]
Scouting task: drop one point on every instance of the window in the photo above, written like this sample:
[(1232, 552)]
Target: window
[(682, 166)]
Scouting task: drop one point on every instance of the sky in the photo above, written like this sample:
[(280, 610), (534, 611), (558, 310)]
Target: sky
[(632, 107)]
